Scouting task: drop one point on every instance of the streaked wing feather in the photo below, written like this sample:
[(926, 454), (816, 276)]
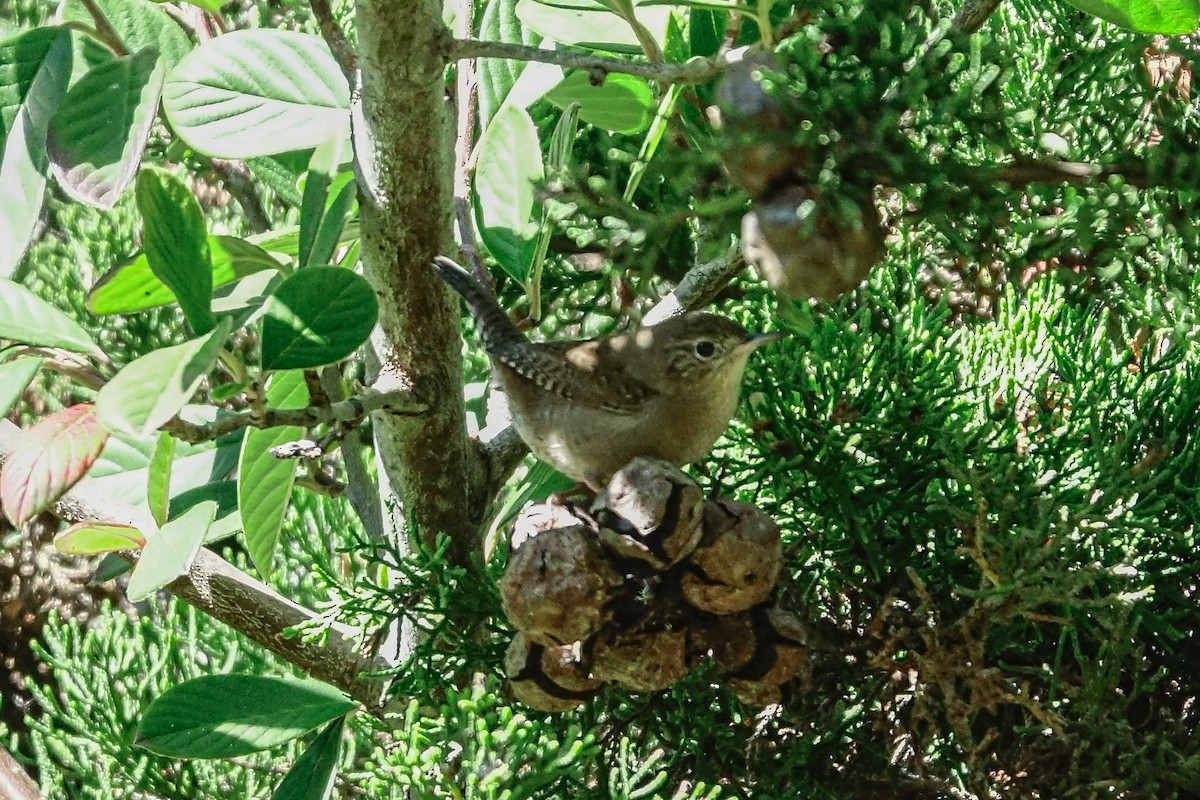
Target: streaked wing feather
[(544, 364)]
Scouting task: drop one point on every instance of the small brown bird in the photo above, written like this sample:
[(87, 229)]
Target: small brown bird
[(589, 407)]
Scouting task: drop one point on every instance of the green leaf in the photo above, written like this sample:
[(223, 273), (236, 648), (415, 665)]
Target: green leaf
[(497, 76), (138, 23), (590, 24), (111, 566), (152, 389), (47, 459), (27, 318), (281, 174), (176, 244), (322, 169), (158, 483), (340, 207), (317, 316), (170, 552), (123, 468), (1147, 16), (258, 92), (132, 285), (97, 136), (265, 482), (623, 103), (15, 377), (509, 170), (311, 777), (219, 716), (34, 70), (94, 538), (211, 6), (224, 494)]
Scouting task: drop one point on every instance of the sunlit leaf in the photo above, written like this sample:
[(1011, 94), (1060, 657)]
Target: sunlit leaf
[(48, 459), (94, 538), (219, 716), (258, 92), (265, 482), (170, 552)]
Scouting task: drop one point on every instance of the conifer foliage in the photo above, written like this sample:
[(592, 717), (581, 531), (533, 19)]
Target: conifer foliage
[(977, 444)]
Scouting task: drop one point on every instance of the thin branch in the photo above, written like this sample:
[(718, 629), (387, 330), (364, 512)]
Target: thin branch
[(973, 14), (699, 286), (239, 182), (698, 70), (466, 94), (229, 595), (1024, 172), (335, 37), (501, 453), (15, 783), (348, 411)]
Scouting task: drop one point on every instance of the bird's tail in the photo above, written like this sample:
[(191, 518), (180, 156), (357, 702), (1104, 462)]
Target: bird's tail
[(493, 325)]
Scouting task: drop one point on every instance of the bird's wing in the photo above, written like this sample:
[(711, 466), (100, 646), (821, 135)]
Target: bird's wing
[(573, 370)]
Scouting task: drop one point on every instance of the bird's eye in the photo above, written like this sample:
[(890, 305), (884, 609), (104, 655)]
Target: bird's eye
[(705, 348)]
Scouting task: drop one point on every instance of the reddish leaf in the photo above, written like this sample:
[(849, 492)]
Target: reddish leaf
[(48, 459)]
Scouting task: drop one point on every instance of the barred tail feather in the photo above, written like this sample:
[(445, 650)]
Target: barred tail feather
[(494, 326)]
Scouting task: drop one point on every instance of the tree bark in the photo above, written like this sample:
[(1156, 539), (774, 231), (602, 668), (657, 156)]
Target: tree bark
[(404, 144)]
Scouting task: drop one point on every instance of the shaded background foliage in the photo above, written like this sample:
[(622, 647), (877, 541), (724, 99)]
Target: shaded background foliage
[(984, 461)]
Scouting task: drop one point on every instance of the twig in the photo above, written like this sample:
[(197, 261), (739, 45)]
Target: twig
[(466, 94), (240, 183), (973, 14), (1024, 172), (339, 45), (360, 488), (229, 595), (699, 286), (350, 410), (15, 783), (698, 70)]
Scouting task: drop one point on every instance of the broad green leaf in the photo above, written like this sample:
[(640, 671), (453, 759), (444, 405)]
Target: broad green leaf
[(588, 23), (258, 92), (123, 468), (1147, 16), (152, 389), (497, 76), (97, 136), (265, 482), (322, 169), (506, 176), (343, 197), (623, 103), (132, 286), (219, 716), (245, 300), (312, 776), (286, 241), (176, 244), (110, 567), (48, 459), (27, 318), (170, 551), (34, 69), (15, 377), (281, 173), (317, 316), (211, 6), (94, 538), (158, 484), (138, 23), (224, 493)]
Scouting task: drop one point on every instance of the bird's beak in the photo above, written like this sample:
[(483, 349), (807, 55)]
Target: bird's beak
[(757, 340)]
